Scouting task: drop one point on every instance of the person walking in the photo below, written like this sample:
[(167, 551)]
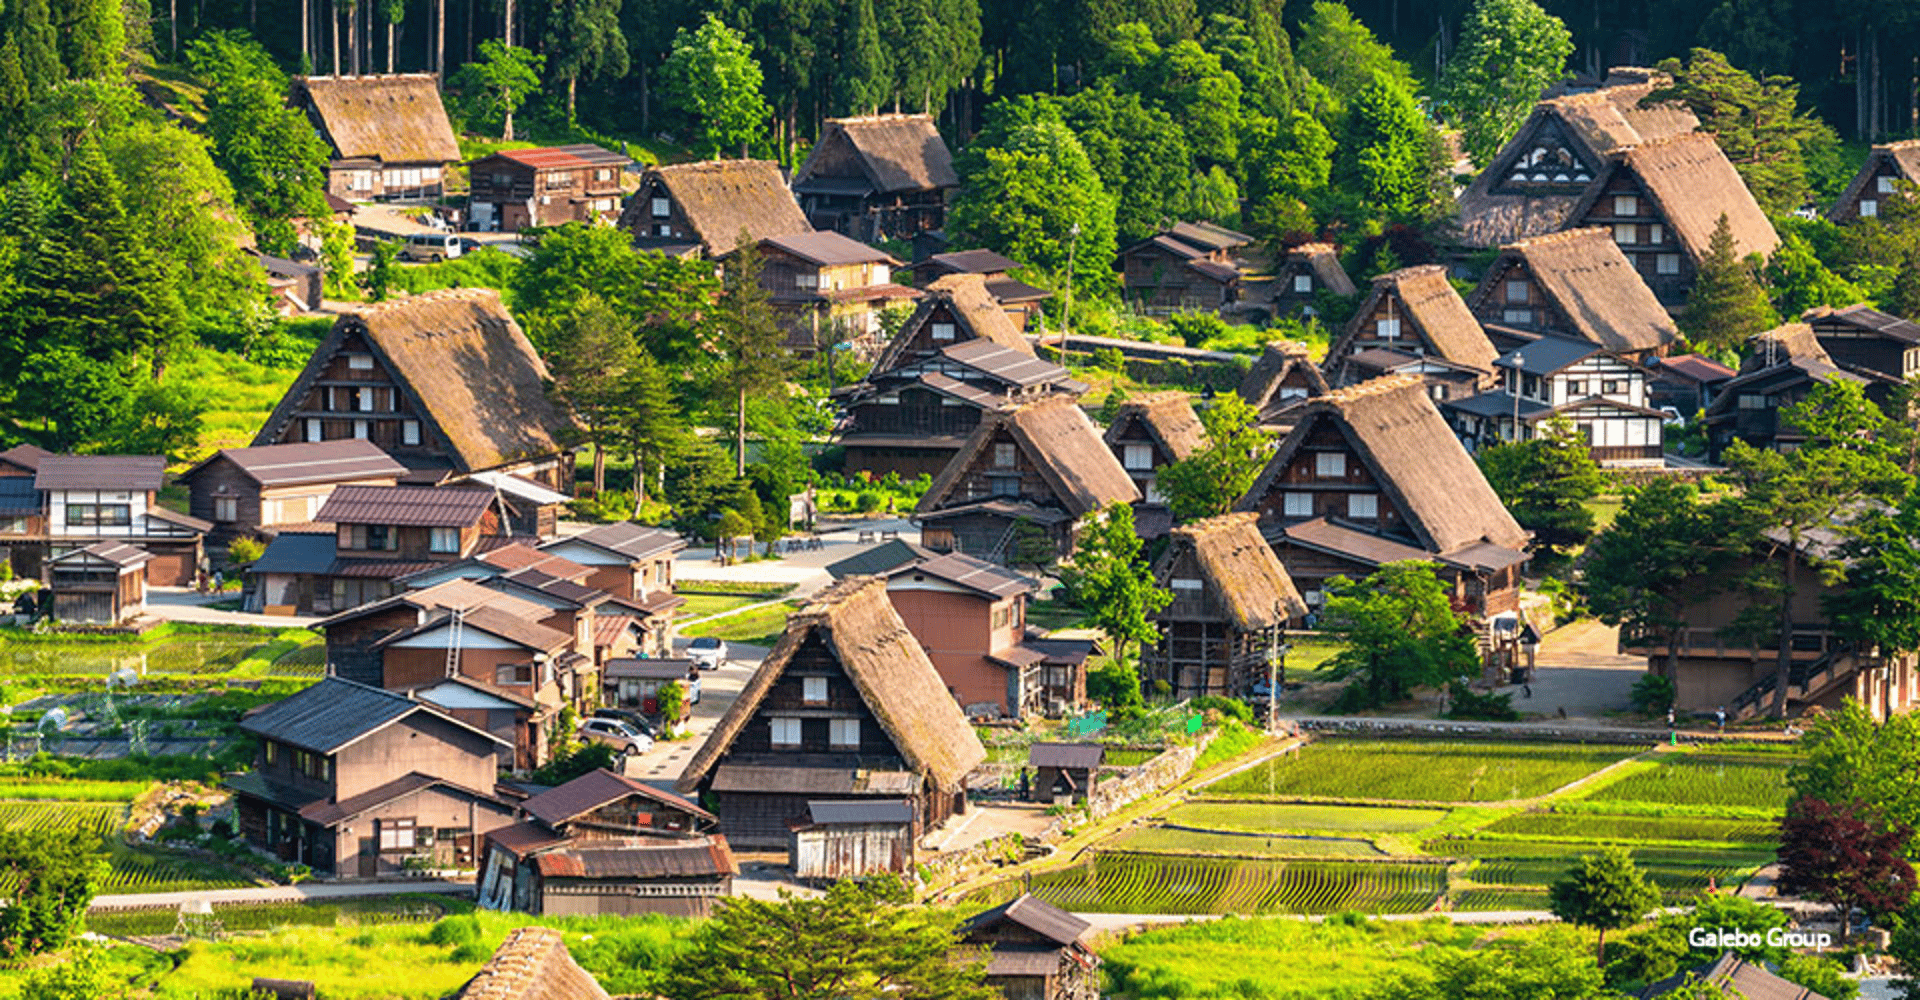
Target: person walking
[(1720, 716)]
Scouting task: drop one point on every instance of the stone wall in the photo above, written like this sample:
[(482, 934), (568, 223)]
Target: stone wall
[(1167, 769)]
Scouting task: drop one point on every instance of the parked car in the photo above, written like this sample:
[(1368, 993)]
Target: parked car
[(617, 734), (629, 716), (708, 652), (431, 247)]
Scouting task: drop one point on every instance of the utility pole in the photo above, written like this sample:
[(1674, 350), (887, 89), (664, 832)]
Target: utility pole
[(1514, 434)]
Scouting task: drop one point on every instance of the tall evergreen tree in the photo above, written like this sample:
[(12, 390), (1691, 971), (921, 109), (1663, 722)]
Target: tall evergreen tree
[(1727, 304), (1758, 123), (862, 75), (752, 360), (583, 39)]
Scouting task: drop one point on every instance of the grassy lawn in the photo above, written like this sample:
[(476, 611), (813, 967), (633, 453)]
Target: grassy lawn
[(702, 605), (1604, 509), (1052, 615), (759, 627), (1307, 656), (239, 393), (1421, 771)]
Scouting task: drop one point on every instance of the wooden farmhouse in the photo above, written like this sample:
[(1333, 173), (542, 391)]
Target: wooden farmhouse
[(389, 135), (1065, 772), (363, 539), (1280, 383), (296, 288), (445, 382), (1732, 976), (955, 309), (1224, 632), (257, 491), (1878, 179), (1413, 322), (1307, 275), (1787, 363), (1868, 342), (1603, 394), (1372, 474), (516, 189), (51, 505), (829, 290), (970, 617), (102, 584), (1533, 184), (532, 964), (1020, 300), (710, 208), (1685, 384), (1575, 284), (846, 707), (354, 781), (630, 561), (1191, 266), (1035, 951), (1040, 465), (1662, 201), (604, 844), (1151, 432), (878, 177)]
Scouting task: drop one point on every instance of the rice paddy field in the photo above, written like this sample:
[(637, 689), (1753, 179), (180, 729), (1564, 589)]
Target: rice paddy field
[(1125, 882), (1421, 771), (292, 653), (131, 870), (1752, 781), (1179, 840)]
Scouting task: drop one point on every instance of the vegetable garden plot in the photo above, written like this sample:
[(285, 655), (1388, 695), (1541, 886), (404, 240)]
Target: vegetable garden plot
[(1421, 771), (1749, 781), (129, 871), (1160, 883), (1592, 828)]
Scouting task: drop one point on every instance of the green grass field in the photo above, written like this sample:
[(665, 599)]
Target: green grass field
[(1307, 656), (251, 917), (1700, 779), (759, 627), (1263, 817), (702, 605), (1598, 829), (1161, 883), (1417, 771), (1173, 840)]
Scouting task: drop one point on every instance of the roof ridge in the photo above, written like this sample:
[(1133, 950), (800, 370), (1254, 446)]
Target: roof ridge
[(1897, 144), (1560, 236), (368, 76), (881, 117), (1662, 141), (1417, 270), (1218, 522), (1380, 386)]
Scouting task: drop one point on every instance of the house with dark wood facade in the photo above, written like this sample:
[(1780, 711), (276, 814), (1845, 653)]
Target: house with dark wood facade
[(1191, 266), (877, 177), (74, 501), (1786, 364), (829, 290), (445, 382), (1866, 341), (389, 134), (1224, 632), (954, 309), (1532, 185), (257, 491), (517, 189), (355, 781), (1020, 300), (1151, 432), (1662, 201), (707, 208), (1414, 322), (1035, 951), (1280, 383), (1887, 167), (846, 707), (1603, 394), (1372, 474), (605, 844), (1038, 465), (1307, 275), (363, 539), (1575, 284), (1065, 772), (102, 584), (631, 561)]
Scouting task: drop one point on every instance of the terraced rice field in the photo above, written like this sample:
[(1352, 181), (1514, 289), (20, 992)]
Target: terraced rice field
[(130, 870), (1500, 898), (1302, 817), (1596, 829), (1744, 781), (103, 818), (1174, 840), (184, 654), (1418, 771), (1160, 883)]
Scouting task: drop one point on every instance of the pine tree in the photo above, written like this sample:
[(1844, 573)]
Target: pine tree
[(29, 25), (583, 39), (651, 427), (1727, 304), (748, 337), (1904, 298), (860, 86)]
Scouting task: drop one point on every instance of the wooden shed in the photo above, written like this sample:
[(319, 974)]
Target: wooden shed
[(102, 584), (839, 840), (1063, 771)]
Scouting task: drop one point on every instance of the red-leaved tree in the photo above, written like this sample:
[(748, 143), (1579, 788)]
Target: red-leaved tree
[(1847, 854)]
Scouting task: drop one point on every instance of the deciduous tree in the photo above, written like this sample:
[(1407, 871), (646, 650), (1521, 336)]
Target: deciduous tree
[(494, 86), (1038, 200), (1667, 550), (1603, 891), (53, 875), (1510, 52), (1211, 480), (1846, 854), (713, 77), (1388, 163), (590, 355), (1400, 631), (1110, 578)]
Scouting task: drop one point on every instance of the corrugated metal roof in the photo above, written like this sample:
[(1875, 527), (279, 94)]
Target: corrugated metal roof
[(641, 859), (598, 788), (329, 715), (626, 538), (26, 456), (886, 556), (812, 780), (968, 262), (296, 553), (1045, 919), (664, 670), (1017, 367), (117, 553), (413, 506), (140, 473), (974, 574), (860, 812), (828, 248), (1076, 756)]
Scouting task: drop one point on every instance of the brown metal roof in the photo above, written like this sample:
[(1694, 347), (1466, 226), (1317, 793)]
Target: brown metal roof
[(598, 788), (1044, 919), (413, 506), (118, 553), (626, 538), (308, 462), (640, 859), (828, 248), (860, 812), (26, 456), (974, 574), (141, 473)]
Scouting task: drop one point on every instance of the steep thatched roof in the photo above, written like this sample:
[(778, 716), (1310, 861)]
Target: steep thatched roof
[(1693, 183), (1590, 282), (1058, 437), (473, 375), (1903, 156), (393, 119), (721, 198), (532, 964), (856, 621), (1325, 262), (1788, 341), (1240, 569), (897, 153), (1277, 361), (1414, 456), (1437, 314), (976, 315), (1168, 418)]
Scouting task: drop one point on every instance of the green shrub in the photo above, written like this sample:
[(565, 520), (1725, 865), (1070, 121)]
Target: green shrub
[(1652, 694), (1465, 703), (1232, 708), (455, 931), (868, 501)]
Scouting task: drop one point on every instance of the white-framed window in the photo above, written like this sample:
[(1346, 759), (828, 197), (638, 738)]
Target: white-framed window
[(1330, 465), (1287, 392), (1667, 263), (409, 432), (1626, 233), (662, 208), (1185, 583), (1003, 455), (226, 508), (813, 689), (603, 175), (1751, 401), (806, 279), (1884, 185), (943, 331), (313, 429), (1656, 233), (1516, 316), (1387, 329), (1297, 505), (360, 362), (360, 429), (1626, 204), (1869, 208), (1303, 283), (663, 230), (1363, 506), (786, 732), (843, 732), (1516, 291), (1137, 456), (363, 400), (443, 540)]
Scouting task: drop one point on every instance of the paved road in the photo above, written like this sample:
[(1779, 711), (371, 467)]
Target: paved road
[(303, 893), (183, 604)]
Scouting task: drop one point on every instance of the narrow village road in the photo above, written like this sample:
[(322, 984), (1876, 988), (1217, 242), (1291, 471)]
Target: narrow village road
[(308, 892)]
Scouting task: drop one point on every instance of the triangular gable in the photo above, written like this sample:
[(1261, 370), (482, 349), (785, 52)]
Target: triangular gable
[(1169, 420), (1691, 183), (1903, 157), (1430, 312), (1061, 443), (1592, 286)]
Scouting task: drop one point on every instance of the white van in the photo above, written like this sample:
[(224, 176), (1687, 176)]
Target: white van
[(431, 247)]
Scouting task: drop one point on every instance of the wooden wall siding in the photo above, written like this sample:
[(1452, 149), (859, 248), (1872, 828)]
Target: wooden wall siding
[(1644, 251), (1213, 658), (908, 462), (786, 700), (1156, 279), (1531, 311), (918, 412), (617, 819), (984, 477), (405, 668), (334, 399), (1870, 191), (1368, 336), (1329, 494), (371, 181), (1285, 299), (987, 535), (692, 898), (922, 345), (456, 820), (837, 852), (1849, 346), (350, 643), (673, 225)]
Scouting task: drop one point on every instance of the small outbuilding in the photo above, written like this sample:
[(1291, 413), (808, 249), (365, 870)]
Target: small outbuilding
[(837, 840), (1035, 951), (1063, 771), (102, 584)]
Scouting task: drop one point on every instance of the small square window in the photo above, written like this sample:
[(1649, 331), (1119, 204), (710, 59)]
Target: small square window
[(226, 508), (444, 540), (1387, 329), (1656, 233), (360, 362), (813, 690), (843, 733), (1667, 263), (1003, 456), (361, 429), (1517, 291), (661, 208), (1303, 283), (1363, 506), (1297, 505), (1626, 234), (786, 732), (1185, 583), (943, 331), (313, 430), (1137, 457), (1884, 185), (1869, 208), (409, 432), (1516, 316), (1330, 465), (1626, 204)]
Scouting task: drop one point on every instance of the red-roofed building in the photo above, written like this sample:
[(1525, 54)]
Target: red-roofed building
[(515, 189)]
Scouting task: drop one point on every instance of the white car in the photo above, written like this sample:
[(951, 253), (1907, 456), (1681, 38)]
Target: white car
[(708, 652), (617, 734)]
